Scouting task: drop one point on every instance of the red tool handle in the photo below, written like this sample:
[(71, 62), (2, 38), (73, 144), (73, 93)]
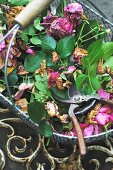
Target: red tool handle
[(81, 141)]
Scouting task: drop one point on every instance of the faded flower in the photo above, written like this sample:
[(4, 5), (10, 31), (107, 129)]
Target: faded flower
[(61, 27), (73, 11), (52, 78), (79, 53)]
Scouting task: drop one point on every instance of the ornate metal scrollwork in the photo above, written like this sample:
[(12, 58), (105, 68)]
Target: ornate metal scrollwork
[(22, 148)]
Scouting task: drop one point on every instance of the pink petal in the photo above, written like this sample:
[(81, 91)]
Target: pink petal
[(18, 95), (102, 118), (30, 51), (103, 94), (89, 130), (2, 44), (111, 117), (22, 87), (96, 129), (104, 109), (74, 8)]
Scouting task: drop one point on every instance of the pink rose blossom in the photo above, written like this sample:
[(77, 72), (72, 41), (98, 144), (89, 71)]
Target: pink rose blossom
[(102, 118), (30, 51), (105, 109), (61, 27), (103, 94)]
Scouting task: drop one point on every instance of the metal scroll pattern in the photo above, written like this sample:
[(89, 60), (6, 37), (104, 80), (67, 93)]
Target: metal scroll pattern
[(22, 148)]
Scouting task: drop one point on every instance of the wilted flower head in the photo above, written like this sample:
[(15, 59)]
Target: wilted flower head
[(79, 53), (47, 21), (52, 78), (62, 27), (73, 11)]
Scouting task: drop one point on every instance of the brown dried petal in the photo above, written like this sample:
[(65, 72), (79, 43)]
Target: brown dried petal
[(59, 83), (23, 104), (12, 14), (55, 57), (92, 114), (101, 69)]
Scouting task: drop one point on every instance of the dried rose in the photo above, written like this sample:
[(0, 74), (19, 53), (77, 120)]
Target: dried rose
[(59, 83), (52, 109), (55, 57), (73, 11), (21, 70), (101, 69), (18, 95), (47, 21), (52, 78), (79, 53), (61, 27), (25, 86)]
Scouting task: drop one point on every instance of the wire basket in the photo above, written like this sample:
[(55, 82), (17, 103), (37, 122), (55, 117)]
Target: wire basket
[(91, 14)]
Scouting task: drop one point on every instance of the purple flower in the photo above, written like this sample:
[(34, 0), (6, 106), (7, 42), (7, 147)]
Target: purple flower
[(61, 27), (103, 94), (73, 11), (102, 118)]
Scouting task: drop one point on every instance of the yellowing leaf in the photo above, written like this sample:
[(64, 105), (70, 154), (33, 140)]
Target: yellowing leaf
[(10, 70)]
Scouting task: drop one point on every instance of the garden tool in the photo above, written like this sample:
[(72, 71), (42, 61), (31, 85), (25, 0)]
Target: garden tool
[(72, 115)]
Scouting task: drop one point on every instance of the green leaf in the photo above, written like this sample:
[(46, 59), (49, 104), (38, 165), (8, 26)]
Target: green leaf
[(33, 62), (13, 78), (36, 111), (24, 37), (60, 93), (35, 41), (45, 128), (80, 81), (30, 30), (65, 46), (18, 2), (95, 83), (37, 24), (108, 50), (48, 42), (40, 86), (109, 63), (95, 52)]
